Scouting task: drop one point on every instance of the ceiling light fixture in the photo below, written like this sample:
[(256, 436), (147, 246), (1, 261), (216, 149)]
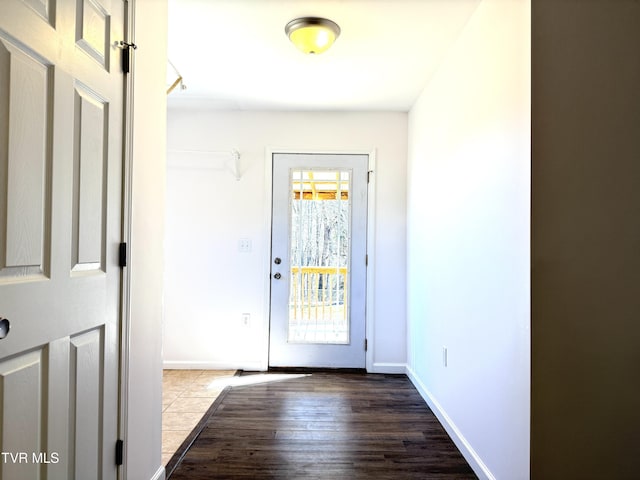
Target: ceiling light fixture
[(312, 35)]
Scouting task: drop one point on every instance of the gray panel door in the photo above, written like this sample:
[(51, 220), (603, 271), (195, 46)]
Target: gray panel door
[(318, 267), (61, 104)]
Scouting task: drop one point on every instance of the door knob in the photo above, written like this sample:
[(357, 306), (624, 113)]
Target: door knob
[(5, 326), (277, 261), (277, 276)]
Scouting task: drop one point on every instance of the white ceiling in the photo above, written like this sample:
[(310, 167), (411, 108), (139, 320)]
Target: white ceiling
[(234, 54)]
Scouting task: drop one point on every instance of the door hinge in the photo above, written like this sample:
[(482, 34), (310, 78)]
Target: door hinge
[(122, 255), (126, 55), (366, 344), (119, 451), (366, 260), (369, 175)]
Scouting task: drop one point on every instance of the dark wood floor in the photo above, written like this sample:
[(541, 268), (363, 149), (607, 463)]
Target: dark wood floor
[(323, 426)]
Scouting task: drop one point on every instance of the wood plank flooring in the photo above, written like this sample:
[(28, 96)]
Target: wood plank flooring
[(322, 426)]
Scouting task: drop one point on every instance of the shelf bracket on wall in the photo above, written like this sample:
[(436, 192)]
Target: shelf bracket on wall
[(235, 164), (175, 79)]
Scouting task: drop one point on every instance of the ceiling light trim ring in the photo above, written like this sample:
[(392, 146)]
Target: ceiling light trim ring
[(297, 23)]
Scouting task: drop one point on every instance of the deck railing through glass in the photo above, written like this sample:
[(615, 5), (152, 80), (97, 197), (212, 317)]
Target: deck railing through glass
[(318, 305)]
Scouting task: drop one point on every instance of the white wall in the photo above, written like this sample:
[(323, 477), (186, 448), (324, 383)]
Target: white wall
[(209, 284), (143, 434), (468, 240)]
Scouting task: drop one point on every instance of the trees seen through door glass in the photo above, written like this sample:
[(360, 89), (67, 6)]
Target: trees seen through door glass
[(320, 212)]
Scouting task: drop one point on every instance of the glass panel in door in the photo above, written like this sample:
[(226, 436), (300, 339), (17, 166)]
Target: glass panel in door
[(319, 254)]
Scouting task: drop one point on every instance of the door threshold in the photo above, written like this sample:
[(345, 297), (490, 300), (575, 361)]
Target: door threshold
[(316, 370)]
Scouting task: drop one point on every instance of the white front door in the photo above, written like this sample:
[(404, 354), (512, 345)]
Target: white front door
[(318, 261), (61, 108)]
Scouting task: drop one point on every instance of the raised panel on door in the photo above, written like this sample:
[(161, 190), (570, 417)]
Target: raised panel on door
[(60, 227), (93, 28), (86, 403), (25, 162), (89, 177), (22, 387), (44, 8)]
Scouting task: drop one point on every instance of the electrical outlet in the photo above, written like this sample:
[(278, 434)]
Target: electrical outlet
[(445, 360), (246, 319)]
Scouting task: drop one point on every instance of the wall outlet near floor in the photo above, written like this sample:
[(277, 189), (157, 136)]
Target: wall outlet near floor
[(246, 319), (444, 356)]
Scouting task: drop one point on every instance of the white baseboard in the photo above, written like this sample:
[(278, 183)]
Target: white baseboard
[(470, 455), (160, 474), (381, 367), (195, 365)]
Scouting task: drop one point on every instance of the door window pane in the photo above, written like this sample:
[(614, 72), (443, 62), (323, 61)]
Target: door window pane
[(320, 249)]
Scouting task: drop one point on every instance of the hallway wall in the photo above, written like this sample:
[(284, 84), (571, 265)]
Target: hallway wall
[(468, 240), (210, 284)]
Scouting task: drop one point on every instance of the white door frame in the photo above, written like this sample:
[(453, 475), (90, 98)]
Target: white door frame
[(125, 283), (371, 204)]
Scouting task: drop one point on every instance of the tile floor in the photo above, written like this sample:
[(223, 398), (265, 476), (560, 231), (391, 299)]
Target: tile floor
[(186, 396)]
